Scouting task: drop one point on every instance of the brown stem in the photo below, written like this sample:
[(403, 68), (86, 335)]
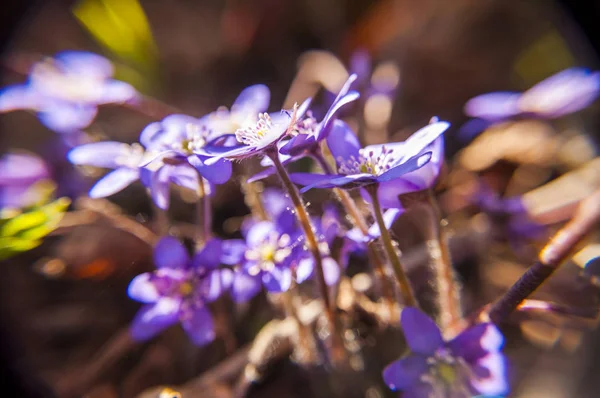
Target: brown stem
[(204, 214), (448, 291), (550, 258), (406, 289), (311, 239), (359, 221)]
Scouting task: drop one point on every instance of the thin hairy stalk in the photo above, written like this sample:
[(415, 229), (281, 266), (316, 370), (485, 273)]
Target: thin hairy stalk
[(557, 250), (358, 220), (204, 214), (448, 290), (407, 293), (307, 228)]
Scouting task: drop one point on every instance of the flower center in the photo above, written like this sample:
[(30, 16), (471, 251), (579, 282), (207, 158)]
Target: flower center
[(273, 250), (448, 375), (253, 135), (370, 162), (53, 81), (186, 289), (193, 138)]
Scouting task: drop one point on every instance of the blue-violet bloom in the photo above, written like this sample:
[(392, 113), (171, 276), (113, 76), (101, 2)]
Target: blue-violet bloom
[(20, 172), (397, 168), (66, 90), (179, 290), (471, 364)]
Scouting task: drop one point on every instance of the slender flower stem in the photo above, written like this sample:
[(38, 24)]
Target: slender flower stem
[(359, 221), (307, 227), (450, 312), (550, 258), (406, 290), (204, 214)]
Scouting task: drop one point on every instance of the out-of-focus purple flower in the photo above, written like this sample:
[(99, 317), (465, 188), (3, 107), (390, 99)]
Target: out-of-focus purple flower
[(179, 290), (565, 92), (397, 168), (262, 136), (20, 171), (179, 142), (66, 90), (308, 132), (470, 364), (126, 160)]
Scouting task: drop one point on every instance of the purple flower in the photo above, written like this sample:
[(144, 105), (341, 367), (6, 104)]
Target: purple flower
[(66, 90), (126, 160), (308, 133), (565, 92), (397, 168), (20, 171), (262, 136), (179, 141), (470, 364), (179, 290)]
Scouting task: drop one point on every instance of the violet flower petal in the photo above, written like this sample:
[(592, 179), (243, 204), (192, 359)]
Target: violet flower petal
[(85, 64), (142, 289), (494, 381), (409, 165), (565, 92), (210, 255), (115, 92), (66, 117), (405, 372), (99, 154), (493, 106), (476, 342), (278, 280), (170, 253), (233, 251), (152, 319), (309, 178), (342, 142), (325, 126), (253, 99), (421, 333), (159, 186), (217, 173), (245, 287), (17, 97), (259, 232), (114, 182), (199, 326)]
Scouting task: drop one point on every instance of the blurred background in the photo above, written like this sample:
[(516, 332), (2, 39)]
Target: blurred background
[(427, 57)]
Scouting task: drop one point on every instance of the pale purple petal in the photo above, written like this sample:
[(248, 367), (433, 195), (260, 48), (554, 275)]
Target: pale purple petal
[(198, 325), (342, 142), (142, 289), (423, 138), (187, 177), (421, 333), (22, 169), (233, 251), (409, 165), (170, 253), (65, 117), (154, 318), (388, 192), (99, 154), (426, 176), (491, 375), (216, 283), (114, 92), (85, 64), (566, 92), (217, 173), (305, 269), (475, 342), (348, 182), (419, 390), (278, 280), (245, 287), (331, 271), (325, 125), (151, 134), (389, 217), (114, 182), (253, 99), (17, 97), (309, 178), (210, 255), (159, 187), (235, 153), (493, 106), (298, 145), (259, 232), (404, 373)]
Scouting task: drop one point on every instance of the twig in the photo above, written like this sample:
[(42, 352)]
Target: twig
[(550, 258)]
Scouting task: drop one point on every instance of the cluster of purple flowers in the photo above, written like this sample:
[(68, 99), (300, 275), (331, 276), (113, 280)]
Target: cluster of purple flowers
[(197, 153)]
